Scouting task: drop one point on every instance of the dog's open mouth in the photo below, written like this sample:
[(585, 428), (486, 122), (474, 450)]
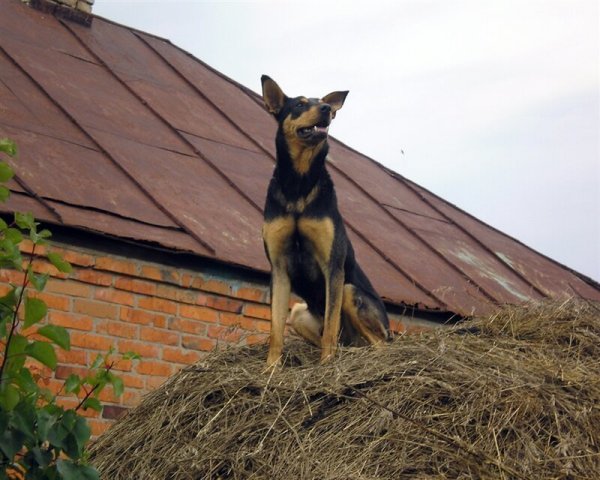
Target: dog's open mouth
[(319, 130)]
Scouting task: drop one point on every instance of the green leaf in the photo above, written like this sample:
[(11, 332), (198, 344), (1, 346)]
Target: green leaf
[(4, 193), (35, 311), (92, 403), (81, 432), (8, 146), (61, 264), (25, 221), (73, 384), (131, 356), (25, 381), (97, 362), (42, 352), (73, 471), (117, 384), (14, 235), (38, 280), (45, 421), (3, 225), (9, 397), (59, 335), (11, 442), (6, 173)]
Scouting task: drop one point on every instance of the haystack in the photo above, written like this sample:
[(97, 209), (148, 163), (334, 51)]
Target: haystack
[(512, 396)]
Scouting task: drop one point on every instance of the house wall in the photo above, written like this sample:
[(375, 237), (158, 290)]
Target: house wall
[(170, 315)]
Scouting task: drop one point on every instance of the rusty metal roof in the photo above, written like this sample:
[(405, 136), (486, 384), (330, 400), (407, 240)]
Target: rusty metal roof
[(123, 133)]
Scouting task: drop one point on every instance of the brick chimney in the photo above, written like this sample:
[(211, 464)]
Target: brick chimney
[(79, 11)]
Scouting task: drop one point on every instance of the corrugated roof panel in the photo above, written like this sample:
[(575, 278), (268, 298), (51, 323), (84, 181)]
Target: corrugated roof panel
[(93, 180), (25, 107), (542, 272), (161, 87), (230, 98), (375, 181), (202, 201), (92, 96), (250, 171), (499, 281), (27, 26), (422, 264)]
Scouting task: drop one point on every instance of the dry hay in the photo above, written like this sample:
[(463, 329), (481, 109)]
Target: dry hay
[(515, 395)]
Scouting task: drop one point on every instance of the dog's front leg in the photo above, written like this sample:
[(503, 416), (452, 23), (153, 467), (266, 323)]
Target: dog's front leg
[(280, 300), (331, 328)]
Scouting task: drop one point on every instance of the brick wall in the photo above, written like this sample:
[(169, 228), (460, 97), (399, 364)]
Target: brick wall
[(171, 316)]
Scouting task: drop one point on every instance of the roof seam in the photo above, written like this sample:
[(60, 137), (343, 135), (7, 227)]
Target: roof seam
[(579, 275), (123, 169), (415, 234), (44, 134), (476, 240), (211, 164), (40, 199)]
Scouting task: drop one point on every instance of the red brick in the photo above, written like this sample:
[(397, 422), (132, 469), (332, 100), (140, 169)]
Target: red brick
[(160, 274), (122, 365), (230, 319), (68, 287), (137, 286), (95, 308), (198, 313), (181, 295), (141, 348), (188, 326), (115, 265), (42, 266), (117, 329), (258, 295), (94, 277), (212, 285), (225, 334), (177, 355), (198, 343), (158, 304), (222, 303), (62, 371), (256, 339), (71, 320), (142, 317), (55, 302), (257, 311), (115, 296), (154, 368), (263, 326), (186, 280), (132, 380), (72, 357), (98, 427), (91, 341), (76, 258), (157, 335), (11, 276), (26, 246), (155, 382)]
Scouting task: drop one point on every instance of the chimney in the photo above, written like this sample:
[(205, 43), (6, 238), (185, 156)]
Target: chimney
[(79, 11)]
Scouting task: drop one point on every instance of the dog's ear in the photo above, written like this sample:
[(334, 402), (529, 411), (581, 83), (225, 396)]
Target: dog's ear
[(336, 100), (272, 94)]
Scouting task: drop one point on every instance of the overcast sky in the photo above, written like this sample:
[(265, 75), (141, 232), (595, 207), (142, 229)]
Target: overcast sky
[(495, 103)]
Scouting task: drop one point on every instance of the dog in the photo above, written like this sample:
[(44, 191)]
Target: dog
[(305, 239)]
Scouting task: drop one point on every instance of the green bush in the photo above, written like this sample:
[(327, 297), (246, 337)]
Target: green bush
[(38, 438)]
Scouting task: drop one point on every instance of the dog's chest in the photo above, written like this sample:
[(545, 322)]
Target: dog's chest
[(298, 238)]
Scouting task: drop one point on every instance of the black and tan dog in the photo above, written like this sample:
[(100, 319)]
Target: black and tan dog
[(305, 239)]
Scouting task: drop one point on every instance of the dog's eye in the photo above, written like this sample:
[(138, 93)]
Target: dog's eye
[(300, 105)]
